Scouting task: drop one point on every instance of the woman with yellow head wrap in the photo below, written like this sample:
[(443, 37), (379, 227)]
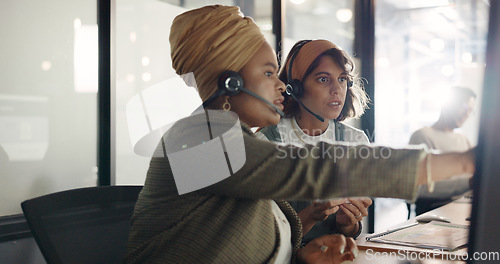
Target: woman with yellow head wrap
[(244, 218), (211, 40)]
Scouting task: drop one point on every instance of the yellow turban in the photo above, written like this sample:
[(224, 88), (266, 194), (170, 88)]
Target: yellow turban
[(210, 40)]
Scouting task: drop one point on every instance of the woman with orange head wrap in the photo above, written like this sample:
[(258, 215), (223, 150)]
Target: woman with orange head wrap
[(243, 218)]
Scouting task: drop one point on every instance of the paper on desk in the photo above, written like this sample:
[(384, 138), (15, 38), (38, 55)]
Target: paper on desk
[(433, 235)]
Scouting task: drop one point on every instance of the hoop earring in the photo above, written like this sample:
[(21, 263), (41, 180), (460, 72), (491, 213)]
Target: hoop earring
[(226, 106)]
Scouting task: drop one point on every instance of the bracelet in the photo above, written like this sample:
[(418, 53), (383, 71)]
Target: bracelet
[(360, 226), (430, 183)]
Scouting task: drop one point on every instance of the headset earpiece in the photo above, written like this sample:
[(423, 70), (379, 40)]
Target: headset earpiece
[(295, 87), (230, 83)]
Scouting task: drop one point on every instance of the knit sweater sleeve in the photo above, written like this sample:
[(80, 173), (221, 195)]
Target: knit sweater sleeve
[(321, 171)]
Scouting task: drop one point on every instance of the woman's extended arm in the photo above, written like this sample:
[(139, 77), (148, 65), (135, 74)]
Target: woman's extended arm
[(328, 171), (443, 166)]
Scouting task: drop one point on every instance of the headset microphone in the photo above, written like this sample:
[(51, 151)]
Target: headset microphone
[(294, 87), (290, 93), (264, 100)]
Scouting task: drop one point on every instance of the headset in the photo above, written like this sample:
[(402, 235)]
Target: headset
[(230, 83), (295, 88)]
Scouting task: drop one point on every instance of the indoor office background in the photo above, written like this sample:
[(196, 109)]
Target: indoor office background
[(75, 98)]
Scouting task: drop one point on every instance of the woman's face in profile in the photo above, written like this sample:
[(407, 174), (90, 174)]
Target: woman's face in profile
[(260, 75), (325, 89)]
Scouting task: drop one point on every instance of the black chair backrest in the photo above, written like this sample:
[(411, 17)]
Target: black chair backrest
[(86, 225)]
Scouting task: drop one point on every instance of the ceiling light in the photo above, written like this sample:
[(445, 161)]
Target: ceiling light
[(46, 65), (447, 70), (146, 76), (133, 36), (130, 77), (467, 57), (436, 44), (77, 23), (145, 61), (344, 15), (297, 2)]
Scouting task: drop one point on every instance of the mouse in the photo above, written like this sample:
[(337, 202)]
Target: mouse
[(431, 217)]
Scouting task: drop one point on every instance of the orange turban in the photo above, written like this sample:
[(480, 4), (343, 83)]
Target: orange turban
[(210, 40)]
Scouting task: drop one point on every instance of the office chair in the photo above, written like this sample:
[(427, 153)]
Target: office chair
[(86, 225)]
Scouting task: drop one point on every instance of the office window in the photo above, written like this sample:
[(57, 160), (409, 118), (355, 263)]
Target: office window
[(422, 49), (319, 19), (147, 93), (48, 99)]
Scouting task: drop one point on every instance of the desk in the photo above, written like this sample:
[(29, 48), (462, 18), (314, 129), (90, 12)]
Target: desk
[(372, 252)]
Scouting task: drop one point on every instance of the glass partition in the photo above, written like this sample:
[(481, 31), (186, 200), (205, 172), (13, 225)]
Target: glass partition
[(423, 48), (48, 99)]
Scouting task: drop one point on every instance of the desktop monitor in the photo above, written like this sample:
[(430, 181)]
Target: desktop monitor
[(484, 239)]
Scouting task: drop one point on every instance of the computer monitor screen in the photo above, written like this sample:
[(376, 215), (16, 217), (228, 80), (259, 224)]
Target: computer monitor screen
[(484, 239)]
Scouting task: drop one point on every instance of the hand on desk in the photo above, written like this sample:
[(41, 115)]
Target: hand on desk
[(330, 249)]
